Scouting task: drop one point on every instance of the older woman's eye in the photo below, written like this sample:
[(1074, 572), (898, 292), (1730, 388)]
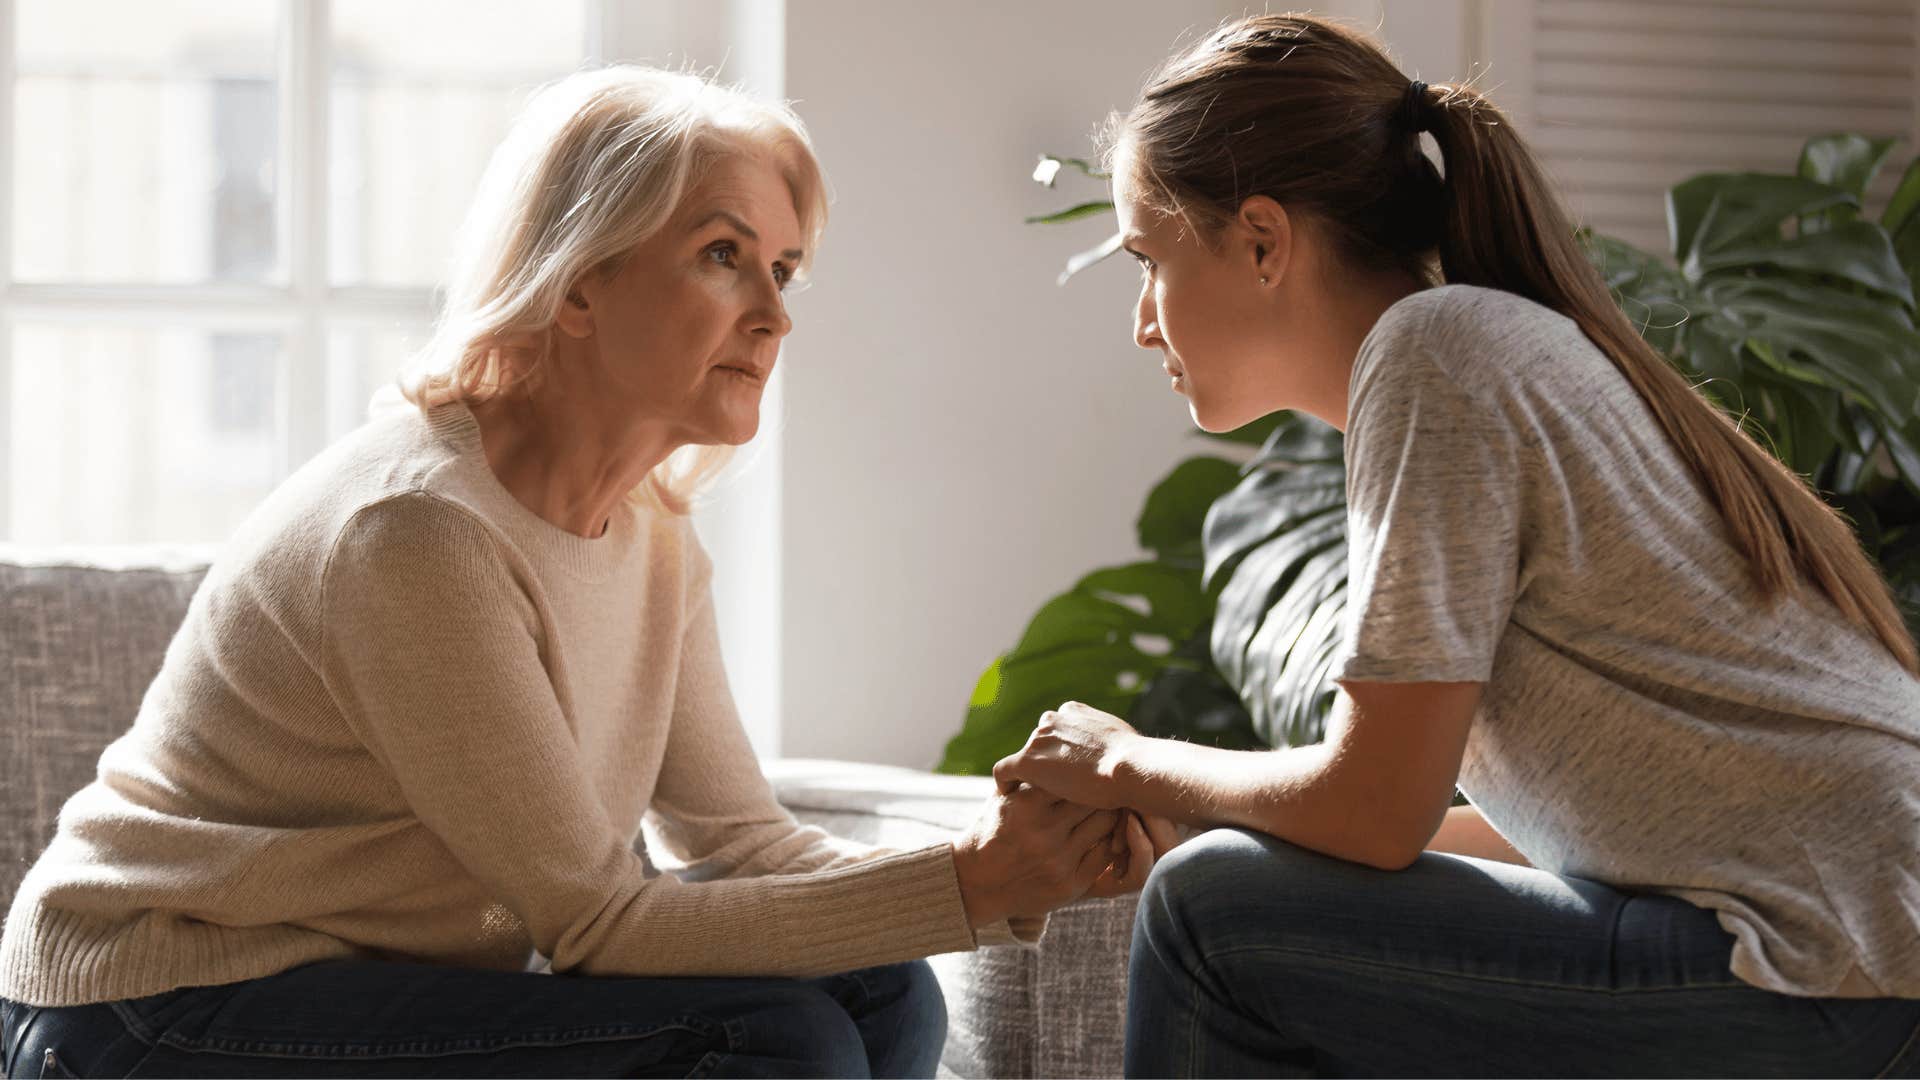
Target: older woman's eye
[(782, 275), (722, 252)]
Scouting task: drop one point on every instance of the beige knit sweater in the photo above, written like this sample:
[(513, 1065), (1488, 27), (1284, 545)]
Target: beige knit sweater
[(405, 717)]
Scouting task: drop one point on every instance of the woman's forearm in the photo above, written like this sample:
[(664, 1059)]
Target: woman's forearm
[(1293, 794)]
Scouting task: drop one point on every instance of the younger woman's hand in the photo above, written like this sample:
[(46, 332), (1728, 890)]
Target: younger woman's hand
[(1074, 752), (1139, 841)]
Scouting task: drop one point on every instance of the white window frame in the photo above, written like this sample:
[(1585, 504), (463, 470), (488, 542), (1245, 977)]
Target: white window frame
[(304, 308)]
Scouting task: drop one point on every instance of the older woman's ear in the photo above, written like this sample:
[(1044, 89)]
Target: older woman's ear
[(575, 317)]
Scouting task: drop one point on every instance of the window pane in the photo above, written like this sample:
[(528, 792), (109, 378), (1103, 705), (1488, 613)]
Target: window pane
[(362, 361), (412, 127), (146, 141), (134, 435)]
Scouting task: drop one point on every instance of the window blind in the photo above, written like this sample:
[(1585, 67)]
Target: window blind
[(1630, 97)]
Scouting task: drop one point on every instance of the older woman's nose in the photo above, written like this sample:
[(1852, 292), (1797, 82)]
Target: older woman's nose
[(768, 315), (771, 320)]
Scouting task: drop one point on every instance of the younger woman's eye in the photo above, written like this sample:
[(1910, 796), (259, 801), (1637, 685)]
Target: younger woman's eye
[(1145, 263)]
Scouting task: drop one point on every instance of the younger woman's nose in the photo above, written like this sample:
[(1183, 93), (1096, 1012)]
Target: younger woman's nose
[(1146, 323)]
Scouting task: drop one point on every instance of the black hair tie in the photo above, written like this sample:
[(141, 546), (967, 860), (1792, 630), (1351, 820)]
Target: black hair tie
[(1415, 115)]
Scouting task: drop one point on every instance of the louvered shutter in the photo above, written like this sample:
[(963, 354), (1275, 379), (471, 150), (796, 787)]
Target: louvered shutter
[(1623, 98)]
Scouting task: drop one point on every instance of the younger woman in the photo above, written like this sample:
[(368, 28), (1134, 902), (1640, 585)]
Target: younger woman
[(1661, 668)]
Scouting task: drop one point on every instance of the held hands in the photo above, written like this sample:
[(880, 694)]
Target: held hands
[(1056, 830), (1031, 852), (1147, 838)]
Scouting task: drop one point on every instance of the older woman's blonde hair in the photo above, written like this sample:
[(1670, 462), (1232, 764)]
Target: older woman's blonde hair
[(596, 163)]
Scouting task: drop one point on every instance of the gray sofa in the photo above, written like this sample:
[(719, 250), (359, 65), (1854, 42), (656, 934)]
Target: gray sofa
[(83, 631)]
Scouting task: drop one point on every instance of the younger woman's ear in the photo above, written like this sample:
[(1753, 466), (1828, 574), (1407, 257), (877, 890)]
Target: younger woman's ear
[(575, 317), (1267, 233)]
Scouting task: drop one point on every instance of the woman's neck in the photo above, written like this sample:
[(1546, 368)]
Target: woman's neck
[(568, 465), (1351, 316)]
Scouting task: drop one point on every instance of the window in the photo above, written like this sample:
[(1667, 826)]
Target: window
[(224, 224)]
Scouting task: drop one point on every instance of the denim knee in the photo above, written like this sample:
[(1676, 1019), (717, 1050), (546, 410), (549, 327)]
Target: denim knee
[(905, 1019), (809, 1032), (923, 1005), (1210, 870)]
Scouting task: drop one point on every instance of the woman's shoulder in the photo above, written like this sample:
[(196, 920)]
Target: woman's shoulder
[(1453, 322), (298, 523), (1488, 342)]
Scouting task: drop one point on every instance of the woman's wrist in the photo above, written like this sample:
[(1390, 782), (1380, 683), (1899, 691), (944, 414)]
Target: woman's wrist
[(980, 901), (1163, 777), (1128, 772)]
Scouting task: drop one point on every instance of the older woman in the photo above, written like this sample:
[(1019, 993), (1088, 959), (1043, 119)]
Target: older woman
[(409, 728)]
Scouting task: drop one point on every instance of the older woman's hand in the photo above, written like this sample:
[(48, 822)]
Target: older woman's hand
[(1075, 752), (1031, 852)]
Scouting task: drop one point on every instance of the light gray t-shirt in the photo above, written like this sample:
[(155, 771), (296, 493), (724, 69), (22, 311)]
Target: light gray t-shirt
[(1518, 517)]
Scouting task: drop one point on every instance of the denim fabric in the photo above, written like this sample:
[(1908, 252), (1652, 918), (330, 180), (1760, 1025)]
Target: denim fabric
[(356, 1018), (1253, 957)]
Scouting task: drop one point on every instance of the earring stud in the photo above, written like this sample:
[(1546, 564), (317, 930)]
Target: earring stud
[(1263, 279)]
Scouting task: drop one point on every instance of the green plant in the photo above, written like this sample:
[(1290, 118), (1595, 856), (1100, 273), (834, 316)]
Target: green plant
[(1793, 308), (1130, 639)]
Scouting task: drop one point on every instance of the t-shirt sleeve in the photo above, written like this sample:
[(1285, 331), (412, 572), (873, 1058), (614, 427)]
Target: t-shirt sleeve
[(1434, 498)]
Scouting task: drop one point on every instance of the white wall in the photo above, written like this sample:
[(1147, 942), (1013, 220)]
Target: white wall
[(963, 438)]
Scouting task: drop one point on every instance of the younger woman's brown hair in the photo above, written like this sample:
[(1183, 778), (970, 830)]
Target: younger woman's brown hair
[(1315, 116)]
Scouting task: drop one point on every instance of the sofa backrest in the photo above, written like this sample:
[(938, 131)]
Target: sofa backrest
[(82, 632)]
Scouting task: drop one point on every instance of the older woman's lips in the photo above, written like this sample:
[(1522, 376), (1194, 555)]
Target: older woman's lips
[(749, 376)]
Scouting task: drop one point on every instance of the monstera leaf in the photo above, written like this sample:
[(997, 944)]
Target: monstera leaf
[(1276, 548), (1122, 640), (1795, 312), (1098, 642)]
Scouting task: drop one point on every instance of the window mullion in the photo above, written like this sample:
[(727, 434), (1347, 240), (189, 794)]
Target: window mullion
[(303, 382), (602, 20), (7, 55)]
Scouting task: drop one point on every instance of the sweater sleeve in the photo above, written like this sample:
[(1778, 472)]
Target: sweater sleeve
[(712, 807), (432, 648)]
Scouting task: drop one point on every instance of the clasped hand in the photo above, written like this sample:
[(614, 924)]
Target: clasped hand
[(1053, 833)]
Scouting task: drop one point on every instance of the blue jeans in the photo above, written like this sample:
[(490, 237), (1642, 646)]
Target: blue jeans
[(359, 1018), (1253, 957)]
